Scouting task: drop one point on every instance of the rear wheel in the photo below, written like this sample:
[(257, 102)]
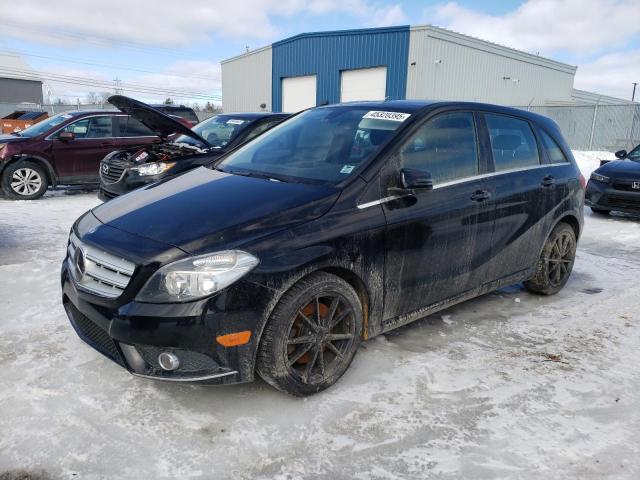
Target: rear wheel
[(600, 211), (312, 335), (556, 261), (24, 181)]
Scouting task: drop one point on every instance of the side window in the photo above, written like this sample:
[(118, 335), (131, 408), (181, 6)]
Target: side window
[(512, 143), (445, 146), (130, 127), (635, 153), (260, 128), (553, 150), (79, 128), (100, 127)]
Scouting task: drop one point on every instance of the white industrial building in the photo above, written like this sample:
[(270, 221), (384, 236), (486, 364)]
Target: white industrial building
[(417, 62)]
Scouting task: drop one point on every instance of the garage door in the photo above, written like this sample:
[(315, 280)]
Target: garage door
[(363, 84), (298, 93)]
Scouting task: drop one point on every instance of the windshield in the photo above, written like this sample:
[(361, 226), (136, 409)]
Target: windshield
[(320, 145), (45, 125), (219, 131)]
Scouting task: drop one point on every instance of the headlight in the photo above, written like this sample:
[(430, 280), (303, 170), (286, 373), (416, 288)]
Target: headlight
[(197, 277), (599, 178), (155, 168)]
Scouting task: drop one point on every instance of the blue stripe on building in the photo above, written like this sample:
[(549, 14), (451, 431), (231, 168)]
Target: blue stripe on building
[(326, 54)]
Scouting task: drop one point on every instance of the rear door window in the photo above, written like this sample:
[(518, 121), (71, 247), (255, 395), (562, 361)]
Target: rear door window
[(445, 147), (512, 143), (553, 149), (130, 127)]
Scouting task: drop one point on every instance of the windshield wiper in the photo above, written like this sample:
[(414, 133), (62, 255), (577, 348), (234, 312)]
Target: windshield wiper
[(267, 176), (17, 134)]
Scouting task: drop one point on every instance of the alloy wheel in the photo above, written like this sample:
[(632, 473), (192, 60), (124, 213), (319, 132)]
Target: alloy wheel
[(320, 338), (560, 258), (26, 181)]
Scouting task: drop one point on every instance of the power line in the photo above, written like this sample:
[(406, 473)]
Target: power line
[(19, 53), (92, 82)]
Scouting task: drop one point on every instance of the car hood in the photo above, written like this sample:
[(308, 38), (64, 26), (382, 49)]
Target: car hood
[(12, 138), (205, 209), (161, 124), (621, 169)]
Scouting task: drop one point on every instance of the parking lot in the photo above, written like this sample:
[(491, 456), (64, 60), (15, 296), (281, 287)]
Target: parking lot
[(509, 385)]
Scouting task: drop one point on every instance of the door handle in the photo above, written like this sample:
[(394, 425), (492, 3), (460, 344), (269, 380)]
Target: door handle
[(547, 181), (480, 196)]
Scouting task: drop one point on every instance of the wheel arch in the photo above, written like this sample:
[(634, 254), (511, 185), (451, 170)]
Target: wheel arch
[(571, 220), (52, 178), (341, 271)]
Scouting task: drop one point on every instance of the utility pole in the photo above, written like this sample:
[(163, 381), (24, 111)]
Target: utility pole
[(633, 95), (117, 86)]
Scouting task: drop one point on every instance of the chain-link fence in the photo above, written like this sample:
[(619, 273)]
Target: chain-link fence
[(595, 127), (585, 127)]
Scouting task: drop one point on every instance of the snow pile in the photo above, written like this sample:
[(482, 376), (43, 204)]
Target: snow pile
[(590, 161)]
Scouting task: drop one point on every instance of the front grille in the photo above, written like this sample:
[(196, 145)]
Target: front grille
[(114, 170), (93, 334), (623, 201), (627, 187), (108, 194), (101, 272)]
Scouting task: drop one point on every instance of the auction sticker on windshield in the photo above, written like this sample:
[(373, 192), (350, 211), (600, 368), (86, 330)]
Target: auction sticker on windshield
[(235, 122), (393, 116)]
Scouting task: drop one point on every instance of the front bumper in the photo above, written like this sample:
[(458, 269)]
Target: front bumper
[(127, 183), (134, 334), (603, 196)]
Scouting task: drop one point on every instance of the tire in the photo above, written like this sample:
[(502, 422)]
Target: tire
[(556, 262), (24, 180), (298, 367), (600, 211)]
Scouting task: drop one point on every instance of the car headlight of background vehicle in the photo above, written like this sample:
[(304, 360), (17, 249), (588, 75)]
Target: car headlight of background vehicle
[(599, 178), (155, 168), (197, 277)]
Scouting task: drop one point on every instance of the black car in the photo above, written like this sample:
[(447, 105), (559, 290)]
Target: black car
[(182, 111), (341, 223), (178, 147), (616, 184)]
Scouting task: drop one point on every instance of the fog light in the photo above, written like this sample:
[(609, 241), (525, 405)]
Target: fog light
[(168, 361)]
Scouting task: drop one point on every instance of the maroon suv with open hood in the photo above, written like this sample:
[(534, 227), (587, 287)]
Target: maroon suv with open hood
[(65, 150)]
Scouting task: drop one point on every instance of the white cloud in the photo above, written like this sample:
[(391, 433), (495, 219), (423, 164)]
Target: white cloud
[(611, 74), (169, 24), (576, 26), (388, 16)]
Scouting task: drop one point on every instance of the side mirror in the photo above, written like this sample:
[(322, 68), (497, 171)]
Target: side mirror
[(621, 154), (413, 179), (66, 136)]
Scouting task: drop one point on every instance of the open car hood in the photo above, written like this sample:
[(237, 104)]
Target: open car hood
[(161, 124)]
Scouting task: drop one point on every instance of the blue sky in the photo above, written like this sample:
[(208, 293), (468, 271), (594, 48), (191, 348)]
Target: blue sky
[(160, 48)]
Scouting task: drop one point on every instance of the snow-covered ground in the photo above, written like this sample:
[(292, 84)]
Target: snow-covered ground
[(509, 385)]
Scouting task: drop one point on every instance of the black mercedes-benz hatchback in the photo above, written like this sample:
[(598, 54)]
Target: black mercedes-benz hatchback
[(616, 185), (340, 223), (124, 170)]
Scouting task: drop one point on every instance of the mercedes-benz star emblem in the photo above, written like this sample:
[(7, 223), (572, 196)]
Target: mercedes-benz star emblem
[(105, 168), (80, 262)]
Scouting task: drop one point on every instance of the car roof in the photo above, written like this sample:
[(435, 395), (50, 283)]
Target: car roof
[(78, 113), (255, 115), (413, 106)]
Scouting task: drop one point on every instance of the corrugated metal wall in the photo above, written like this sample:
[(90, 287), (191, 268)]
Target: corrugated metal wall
[(326, 54), (246, 81), (445, 65)]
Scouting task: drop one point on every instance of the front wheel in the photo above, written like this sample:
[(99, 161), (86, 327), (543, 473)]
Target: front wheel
[(24, 181), (556, 261), (312, 335)]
